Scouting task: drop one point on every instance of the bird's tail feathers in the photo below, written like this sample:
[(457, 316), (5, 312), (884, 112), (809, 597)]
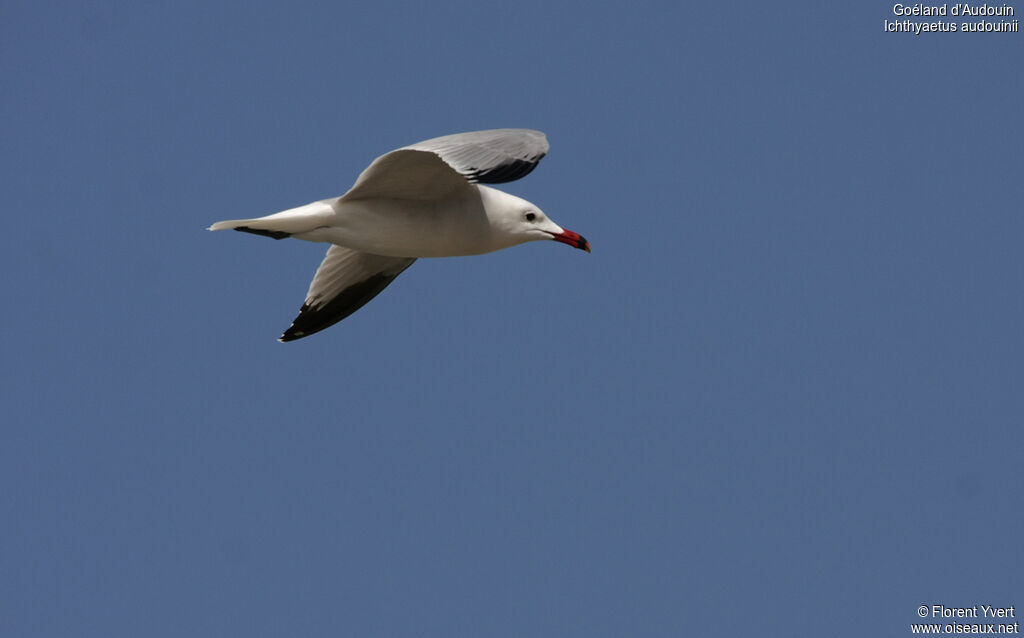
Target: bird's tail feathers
[(287, 222)]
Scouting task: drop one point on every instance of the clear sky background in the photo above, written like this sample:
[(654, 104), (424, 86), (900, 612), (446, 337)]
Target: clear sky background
[(783, 396)]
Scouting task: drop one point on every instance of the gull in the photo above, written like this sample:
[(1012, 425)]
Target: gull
[(422, 200)]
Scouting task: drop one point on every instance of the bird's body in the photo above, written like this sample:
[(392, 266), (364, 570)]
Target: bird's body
[(412, 228), (418, 201)]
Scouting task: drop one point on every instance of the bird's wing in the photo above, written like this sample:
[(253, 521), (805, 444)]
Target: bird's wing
[(407, 174), (436, 167), (489, 157), (344, 282)]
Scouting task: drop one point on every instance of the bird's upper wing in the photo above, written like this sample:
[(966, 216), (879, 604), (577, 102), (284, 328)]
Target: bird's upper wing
[(489, 157), (435, 167), (344, 282)]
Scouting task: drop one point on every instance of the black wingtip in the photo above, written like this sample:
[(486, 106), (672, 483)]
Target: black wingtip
[(312, 320), (276, 234), (291, 334), (507, 172), (297, 331)]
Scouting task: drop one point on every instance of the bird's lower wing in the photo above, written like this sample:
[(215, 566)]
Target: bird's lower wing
[(345, 281)]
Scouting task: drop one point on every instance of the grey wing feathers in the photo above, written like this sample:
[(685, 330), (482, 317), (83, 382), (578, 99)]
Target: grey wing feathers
[(407, 174), (489, 157), (345, 281)]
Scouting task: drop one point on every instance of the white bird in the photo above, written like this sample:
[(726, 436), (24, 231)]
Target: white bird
[(422, 200)]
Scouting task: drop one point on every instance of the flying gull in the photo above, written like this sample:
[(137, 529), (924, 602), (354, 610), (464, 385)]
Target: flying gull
[(422, 200)]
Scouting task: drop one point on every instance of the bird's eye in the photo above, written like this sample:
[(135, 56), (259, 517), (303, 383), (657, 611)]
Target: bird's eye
[(530, 217)]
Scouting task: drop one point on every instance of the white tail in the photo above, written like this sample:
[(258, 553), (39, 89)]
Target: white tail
[(290, 222)]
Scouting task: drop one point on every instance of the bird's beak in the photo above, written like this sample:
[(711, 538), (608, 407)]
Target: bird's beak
[(575, 240)]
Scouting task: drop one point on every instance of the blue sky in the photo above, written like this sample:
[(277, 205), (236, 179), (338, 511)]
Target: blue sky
[(781, 397)]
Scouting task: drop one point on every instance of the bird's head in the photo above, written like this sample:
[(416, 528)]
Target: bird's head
[(517, 221)]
